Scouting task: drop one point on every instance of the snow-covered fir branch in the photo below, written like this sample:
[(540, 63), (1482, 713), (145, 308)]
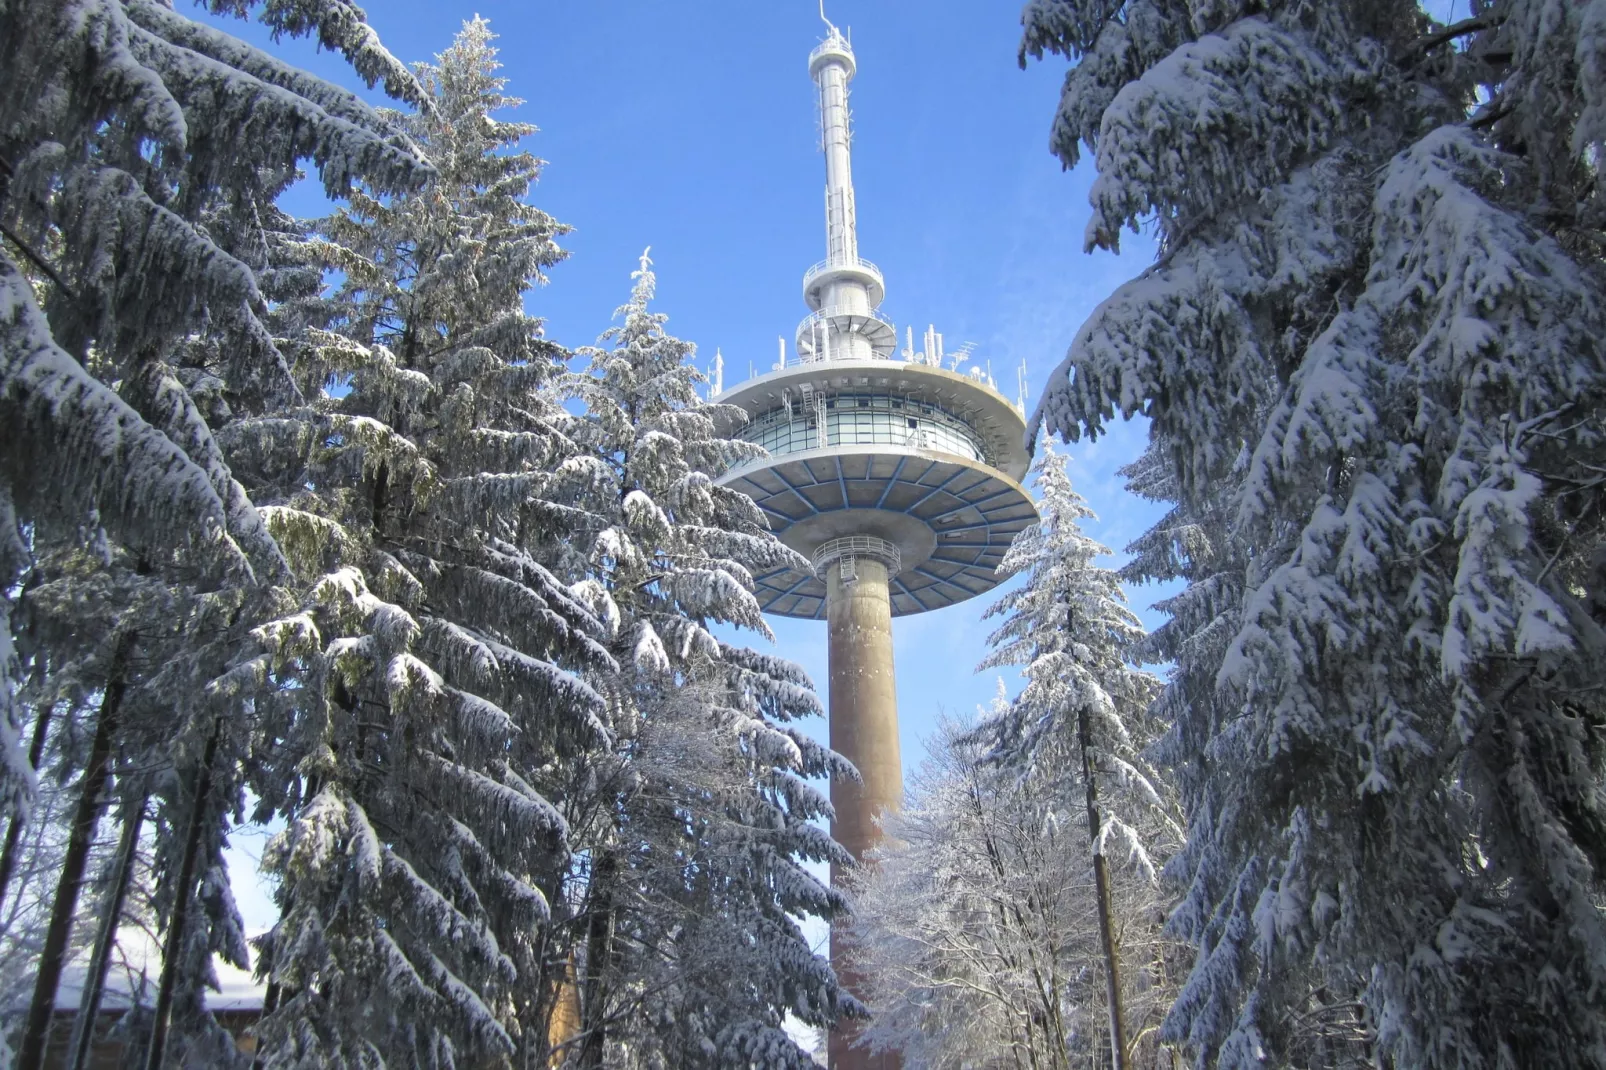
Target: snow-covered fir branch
[(1371, 357)]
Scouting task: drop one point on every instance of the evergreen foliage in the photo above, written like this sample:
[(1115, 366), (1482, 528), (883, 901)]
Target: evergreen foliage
[(110, 160), (1069, 629), (1079, 728), (113, 656), (1371, 358), (132, 321), (435, 656), (696, 873)]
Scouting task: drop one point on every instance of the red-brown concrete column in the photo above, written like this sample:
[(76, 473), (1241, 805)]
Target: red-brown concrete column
[(864, 728)]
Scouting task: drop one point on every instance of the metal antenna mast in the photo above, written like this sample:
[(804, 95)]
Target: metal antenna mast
[(844, 290)]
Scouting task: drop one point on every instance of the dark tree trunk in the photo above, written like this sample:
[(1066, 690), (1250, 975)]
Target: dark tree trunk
[(36, 753), (1101, 884), (122, 873), (53, 956), (183, 892), (599, 950)]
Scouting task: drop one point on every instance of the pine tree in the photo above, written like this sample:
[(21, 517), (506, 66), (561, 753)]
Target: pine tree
[(1080, 725), (1371, 355), (122, 659), (704, 817), (423, 680)]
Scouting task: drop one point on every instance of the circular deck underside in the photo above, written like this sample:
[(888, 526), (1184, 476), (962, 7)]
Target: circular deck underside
[(952, 517)]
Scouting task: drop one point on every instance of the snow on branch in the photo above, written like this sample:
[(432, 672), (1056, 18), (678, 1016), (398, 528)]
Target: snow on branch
[(100, 454)]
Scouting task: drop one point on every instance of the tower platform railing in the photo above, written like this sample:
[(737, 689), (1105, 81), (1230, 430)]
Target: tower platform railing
[(851, 547), (838, 312), (839, 263), (874, 326), (830, 44), (839, 44)]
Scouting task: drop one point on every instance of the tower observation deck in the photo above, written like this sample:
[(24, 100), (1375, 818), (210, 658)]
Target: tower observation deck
[(897, 477)]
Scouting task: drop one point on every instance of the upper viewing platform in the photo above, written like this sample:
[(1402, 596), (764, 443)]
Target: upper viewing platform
[(915, 452), (837, 47), (817, 280), (815, 403), (924, 458)]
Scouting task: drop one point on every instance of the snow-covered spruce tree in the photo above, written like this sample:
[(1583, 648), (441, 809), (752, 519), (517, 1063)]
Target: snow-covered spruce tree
[(121, 124), (1079, 726), (702, 815), (1194, 543), (1371, 353), (429, 647), (197, 732), (135, 146), (143, 655)]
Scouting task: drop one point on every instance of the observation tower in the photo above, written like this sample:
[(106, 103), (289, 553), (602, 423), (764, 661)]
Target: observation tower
[(896, 476)]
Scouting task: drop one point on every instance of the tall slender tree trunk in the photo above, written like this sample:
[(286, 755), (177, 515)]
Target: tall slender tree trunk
[(122, 873), (563, 1018), (53, 956), (599, 950), (36, 753), (1101, 884), (183, 892)]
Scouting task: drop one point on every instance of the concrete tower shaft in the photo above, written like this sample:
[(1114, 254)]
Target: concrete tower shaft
[(863, 691), (864, 726)]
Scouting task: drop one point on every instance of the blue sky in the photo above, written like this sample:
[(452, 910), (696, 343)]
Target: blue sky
[(690, 128)]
